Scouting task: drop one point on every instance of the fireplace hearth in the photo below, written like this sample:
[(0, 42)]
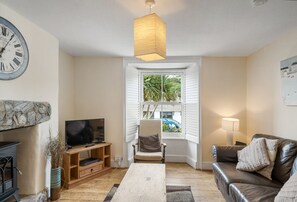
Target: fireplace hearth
[(8, 171)]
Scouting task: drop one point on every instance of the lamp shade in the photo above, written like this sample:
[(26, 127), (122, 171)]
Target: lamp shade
[(150, 38), (230, 124)]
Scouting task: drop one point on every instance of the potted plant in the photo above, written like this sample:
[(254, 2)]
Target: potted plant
[(55, 150)]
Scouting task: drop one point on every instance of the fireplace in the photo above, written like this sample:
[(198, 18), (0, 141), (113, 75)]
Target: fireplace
[(26, 122), (8, 171)]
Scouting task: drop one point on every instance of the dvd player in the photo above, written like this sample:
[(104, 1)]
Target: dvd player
[(88, 161)]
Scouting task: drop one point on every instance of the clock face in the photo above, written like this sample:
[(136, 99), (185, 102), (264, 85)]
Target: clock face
[(14, 54)]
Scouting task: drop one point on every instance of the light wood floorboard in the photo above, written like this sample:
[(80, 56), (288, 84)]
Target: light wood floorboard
[(201, 182)]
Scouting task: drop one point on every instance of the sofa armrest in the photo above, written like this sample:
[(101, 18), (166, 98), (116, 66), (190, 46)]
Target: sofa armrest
[(226, 153)]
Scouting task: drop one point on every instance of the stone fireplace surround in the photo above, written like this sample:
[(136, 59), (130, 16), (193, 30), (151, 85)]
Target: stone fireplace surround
[(27, 122)]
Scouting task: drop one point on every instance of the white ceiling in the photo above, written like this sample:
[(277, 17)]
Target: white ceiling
[(194, 27)]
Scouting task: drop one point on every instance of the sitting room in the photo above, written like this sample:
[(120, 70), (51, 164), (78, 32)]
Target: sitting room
[(148, 100)]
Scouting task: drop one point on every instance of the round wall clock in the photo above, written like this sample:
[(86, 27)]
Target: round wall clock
[(14, 54)]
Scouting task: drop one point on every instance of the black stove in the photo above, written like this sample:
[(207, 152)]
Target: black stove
[(8, 171)]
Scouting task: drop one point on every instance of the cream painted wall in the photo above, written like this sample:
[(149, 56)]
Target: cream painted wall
[(265, 111), (223, 94), (66, 89), (99, 94), (38, 83)]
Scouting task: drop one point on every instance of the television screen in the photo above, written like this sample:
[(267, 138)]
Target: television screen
[(81, 132)]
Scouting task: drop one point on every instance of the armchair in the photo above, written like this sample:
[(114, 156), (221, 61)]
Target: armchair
[(147, 128)]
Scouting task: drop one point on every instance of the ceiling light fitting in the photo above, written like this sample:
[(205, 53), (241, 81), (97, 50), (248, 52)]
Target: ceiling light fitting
[(258, 2), (151, 4), (150, 36)]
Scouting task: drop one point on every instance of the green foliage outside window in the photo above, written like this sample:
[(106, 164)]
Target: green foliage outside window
[(161, 88)]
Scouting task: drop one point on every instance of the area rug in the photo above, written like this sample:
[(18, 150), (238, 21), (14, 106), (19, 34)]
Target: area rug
[(173, 193)]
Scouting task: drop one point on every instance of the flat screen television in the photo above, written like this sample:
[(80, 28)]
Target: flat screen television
[(83, 132)]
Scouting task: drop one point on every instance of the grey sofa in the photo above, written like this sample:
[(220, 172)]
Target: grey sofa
[(243, 186)]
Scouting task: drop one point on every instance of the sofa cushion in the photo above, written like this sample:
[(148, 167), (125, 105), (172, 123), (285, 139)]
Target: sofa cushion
[(241, 192), (272, 145), (254, 156), (294, 167), (226, 173), (284, 160), (286, 154), (289, 191)]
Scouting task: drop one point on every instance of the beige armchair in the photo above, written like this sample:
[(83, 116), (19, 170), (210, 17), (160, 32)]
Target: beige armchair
[(149, 127)]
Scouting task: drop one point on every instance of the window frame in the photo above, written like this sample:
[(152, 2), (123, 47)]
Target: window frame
[(180, 72)]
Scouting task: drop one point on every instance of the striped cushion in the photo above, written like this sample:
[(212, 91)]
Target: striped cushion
[(253, 157), (272, 145), (288, 193)]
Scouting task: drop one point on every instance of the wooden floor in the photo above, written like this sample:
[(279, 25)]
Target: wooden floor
[(201, 182)]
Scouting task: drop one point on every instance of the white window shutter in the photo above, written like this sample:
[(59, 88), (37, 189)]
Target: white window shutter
[(132, 102), (192, 104)]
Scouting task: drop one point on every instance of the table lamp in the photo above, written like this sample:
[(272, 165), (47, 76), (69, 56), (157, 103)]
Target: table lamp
[(230, 125)]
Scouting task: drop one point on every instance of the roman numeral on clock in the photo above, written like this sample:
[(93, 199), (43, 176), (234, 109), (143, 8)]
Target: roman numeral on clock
[(18, 54), (11, 66), (16, 61), (4, 31), (2, 66)]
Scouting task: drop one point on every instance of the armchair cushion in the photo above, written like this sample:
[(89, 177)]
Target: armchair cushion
[(149, 143), (145, 156)]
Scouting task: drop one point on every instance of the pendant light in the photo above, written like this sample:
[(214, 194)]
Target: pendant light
[(150, 36)]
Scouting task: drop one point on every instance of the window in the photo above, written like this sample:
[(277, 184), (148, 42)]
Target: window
[(184, 109), (162, 98)]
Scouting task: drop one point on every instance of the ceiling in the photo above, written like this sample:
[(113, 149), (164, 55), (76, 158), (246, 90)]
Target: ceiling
[(194, 27)]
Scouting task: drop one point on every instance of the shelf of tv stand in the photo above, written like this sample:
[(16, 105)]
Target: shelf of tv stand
[(76, 174), (73, 166), (84, 148)]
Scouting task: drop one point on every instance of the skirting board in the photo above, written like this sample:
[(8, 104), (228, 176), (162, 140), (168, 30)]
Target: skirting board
[(125, 164), (130, 161), (192, 162), (206, 165), (176, 158), (115, 164)]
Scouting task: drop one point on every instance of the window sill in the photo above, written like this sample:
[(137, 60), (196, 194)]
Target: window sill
[(174, 138)]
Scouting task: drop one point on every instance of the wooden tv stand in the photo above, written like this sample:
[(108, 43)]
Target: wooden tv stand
[(75, 174)]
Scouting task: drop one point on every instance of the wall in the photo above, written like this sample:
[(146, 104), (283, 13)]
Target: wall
[(223, 94), (265, 111), (38, 83), (99, 93), (176, 150), (66, 89)]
